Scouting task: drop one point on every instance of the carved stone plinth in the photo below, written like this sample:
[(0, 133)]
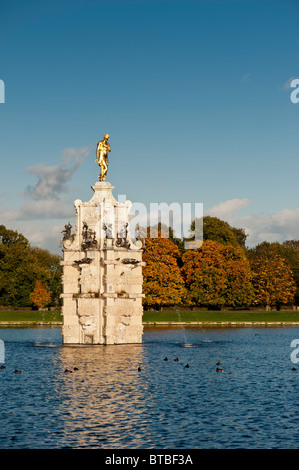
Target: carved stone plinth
[(102, 274)]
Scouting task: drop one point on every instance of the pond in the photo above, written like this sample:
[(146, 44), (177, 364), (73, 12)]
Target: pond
[(107, 402)]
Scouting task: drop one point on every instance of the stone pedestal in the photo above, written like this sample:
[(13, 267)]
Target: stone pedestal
[(102, 274)]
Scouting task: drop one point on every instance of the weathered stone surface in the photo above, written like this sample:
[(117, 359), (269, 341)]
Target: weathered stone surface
[(102, 276)]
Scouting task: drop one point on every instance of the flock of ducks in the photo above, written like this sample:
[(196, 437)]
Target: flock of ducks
[(218, 369), (19, 371), (70, 371), (15, 371)]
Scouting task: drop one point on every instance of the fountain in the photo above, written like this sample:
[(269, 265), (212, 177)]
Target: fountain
[(102, 269)]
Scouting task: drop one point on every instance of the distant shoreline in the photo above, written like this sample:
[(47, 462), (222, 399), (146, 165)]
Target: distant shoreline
[(202, 324), (221, 323), (168, 318)]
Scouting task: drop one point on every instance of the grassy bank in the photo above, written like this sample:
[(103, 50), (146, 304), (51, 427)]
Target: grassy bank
[(30, 315), (222, 316), (167, 316)]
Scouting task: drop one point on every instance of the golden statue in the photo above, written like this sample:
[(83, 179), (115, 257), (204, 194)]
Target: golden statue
[(103, 148)]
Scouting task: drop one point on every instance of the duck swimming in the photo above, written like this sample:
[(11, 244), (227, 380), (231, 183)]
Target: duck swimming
[(219, 370)]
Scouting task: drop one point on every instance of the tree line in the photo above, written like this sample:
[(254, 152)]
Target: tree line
[(223, 272), (29, 276)]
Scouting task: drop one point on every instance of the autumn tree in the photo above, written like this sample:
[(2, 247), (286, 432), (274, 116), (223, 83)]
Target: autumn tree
[(218, 275), (289, 250), (48, 269), (272, 279), (40, 296), (162, 280)]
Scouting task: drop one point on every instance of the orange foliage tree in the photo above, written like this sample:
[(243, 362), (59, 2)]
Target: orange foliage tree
[(218, 275), (40, 296), (163, 283), (273, 280)]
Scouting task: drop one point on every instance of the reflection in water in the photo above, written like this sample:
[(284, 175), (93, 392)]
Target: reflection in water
[(102, 398)]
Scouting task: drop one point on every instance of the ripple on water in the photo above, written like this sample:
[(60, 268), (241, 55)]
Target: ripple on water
[(108, 403)]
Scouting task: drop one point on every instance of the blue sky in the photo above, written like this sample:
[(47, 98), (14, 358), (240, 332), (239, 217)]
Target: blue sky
[(194, 94)]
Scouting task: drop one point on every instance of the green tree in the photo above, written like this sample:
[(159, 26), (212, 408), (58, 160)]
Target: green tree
[(291, 244), (17, 267), (20, 267), (219, 231), (50, 271), (10, 237)]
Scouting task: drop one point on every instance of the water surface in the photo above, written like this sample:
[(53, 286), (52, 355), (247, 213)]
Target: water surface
[(109, 403)]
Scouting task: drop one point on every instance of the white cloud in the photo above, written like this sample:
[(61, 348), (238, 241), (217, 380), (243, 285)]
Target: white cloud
[(52, 180), (227, 210), (47, 236), (280, 226), (44, 204)]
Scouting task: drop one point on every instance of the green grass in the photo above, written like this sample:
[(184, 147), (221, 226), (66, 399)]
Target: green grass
[(30, 315), (222, 316), (168, 316)]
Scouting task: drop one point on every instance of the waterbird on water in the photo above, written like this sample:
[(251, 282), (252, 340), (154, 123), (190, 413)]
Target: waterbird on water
[(2, 367), (176, 360), (293, 368), (17, 371), (187, 365), (139, 369), (217, 363), (165, 359), (219, 370), (68, 371)]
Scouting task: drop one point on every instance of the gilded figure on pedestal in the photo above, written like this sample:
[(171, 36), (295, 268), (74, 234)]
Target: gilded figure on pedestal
[(103, 148)]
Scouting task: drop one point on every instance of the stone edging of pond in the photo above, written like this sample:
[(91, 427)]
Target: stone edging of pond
[(24, 323), (224, 323), (161, 323)]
